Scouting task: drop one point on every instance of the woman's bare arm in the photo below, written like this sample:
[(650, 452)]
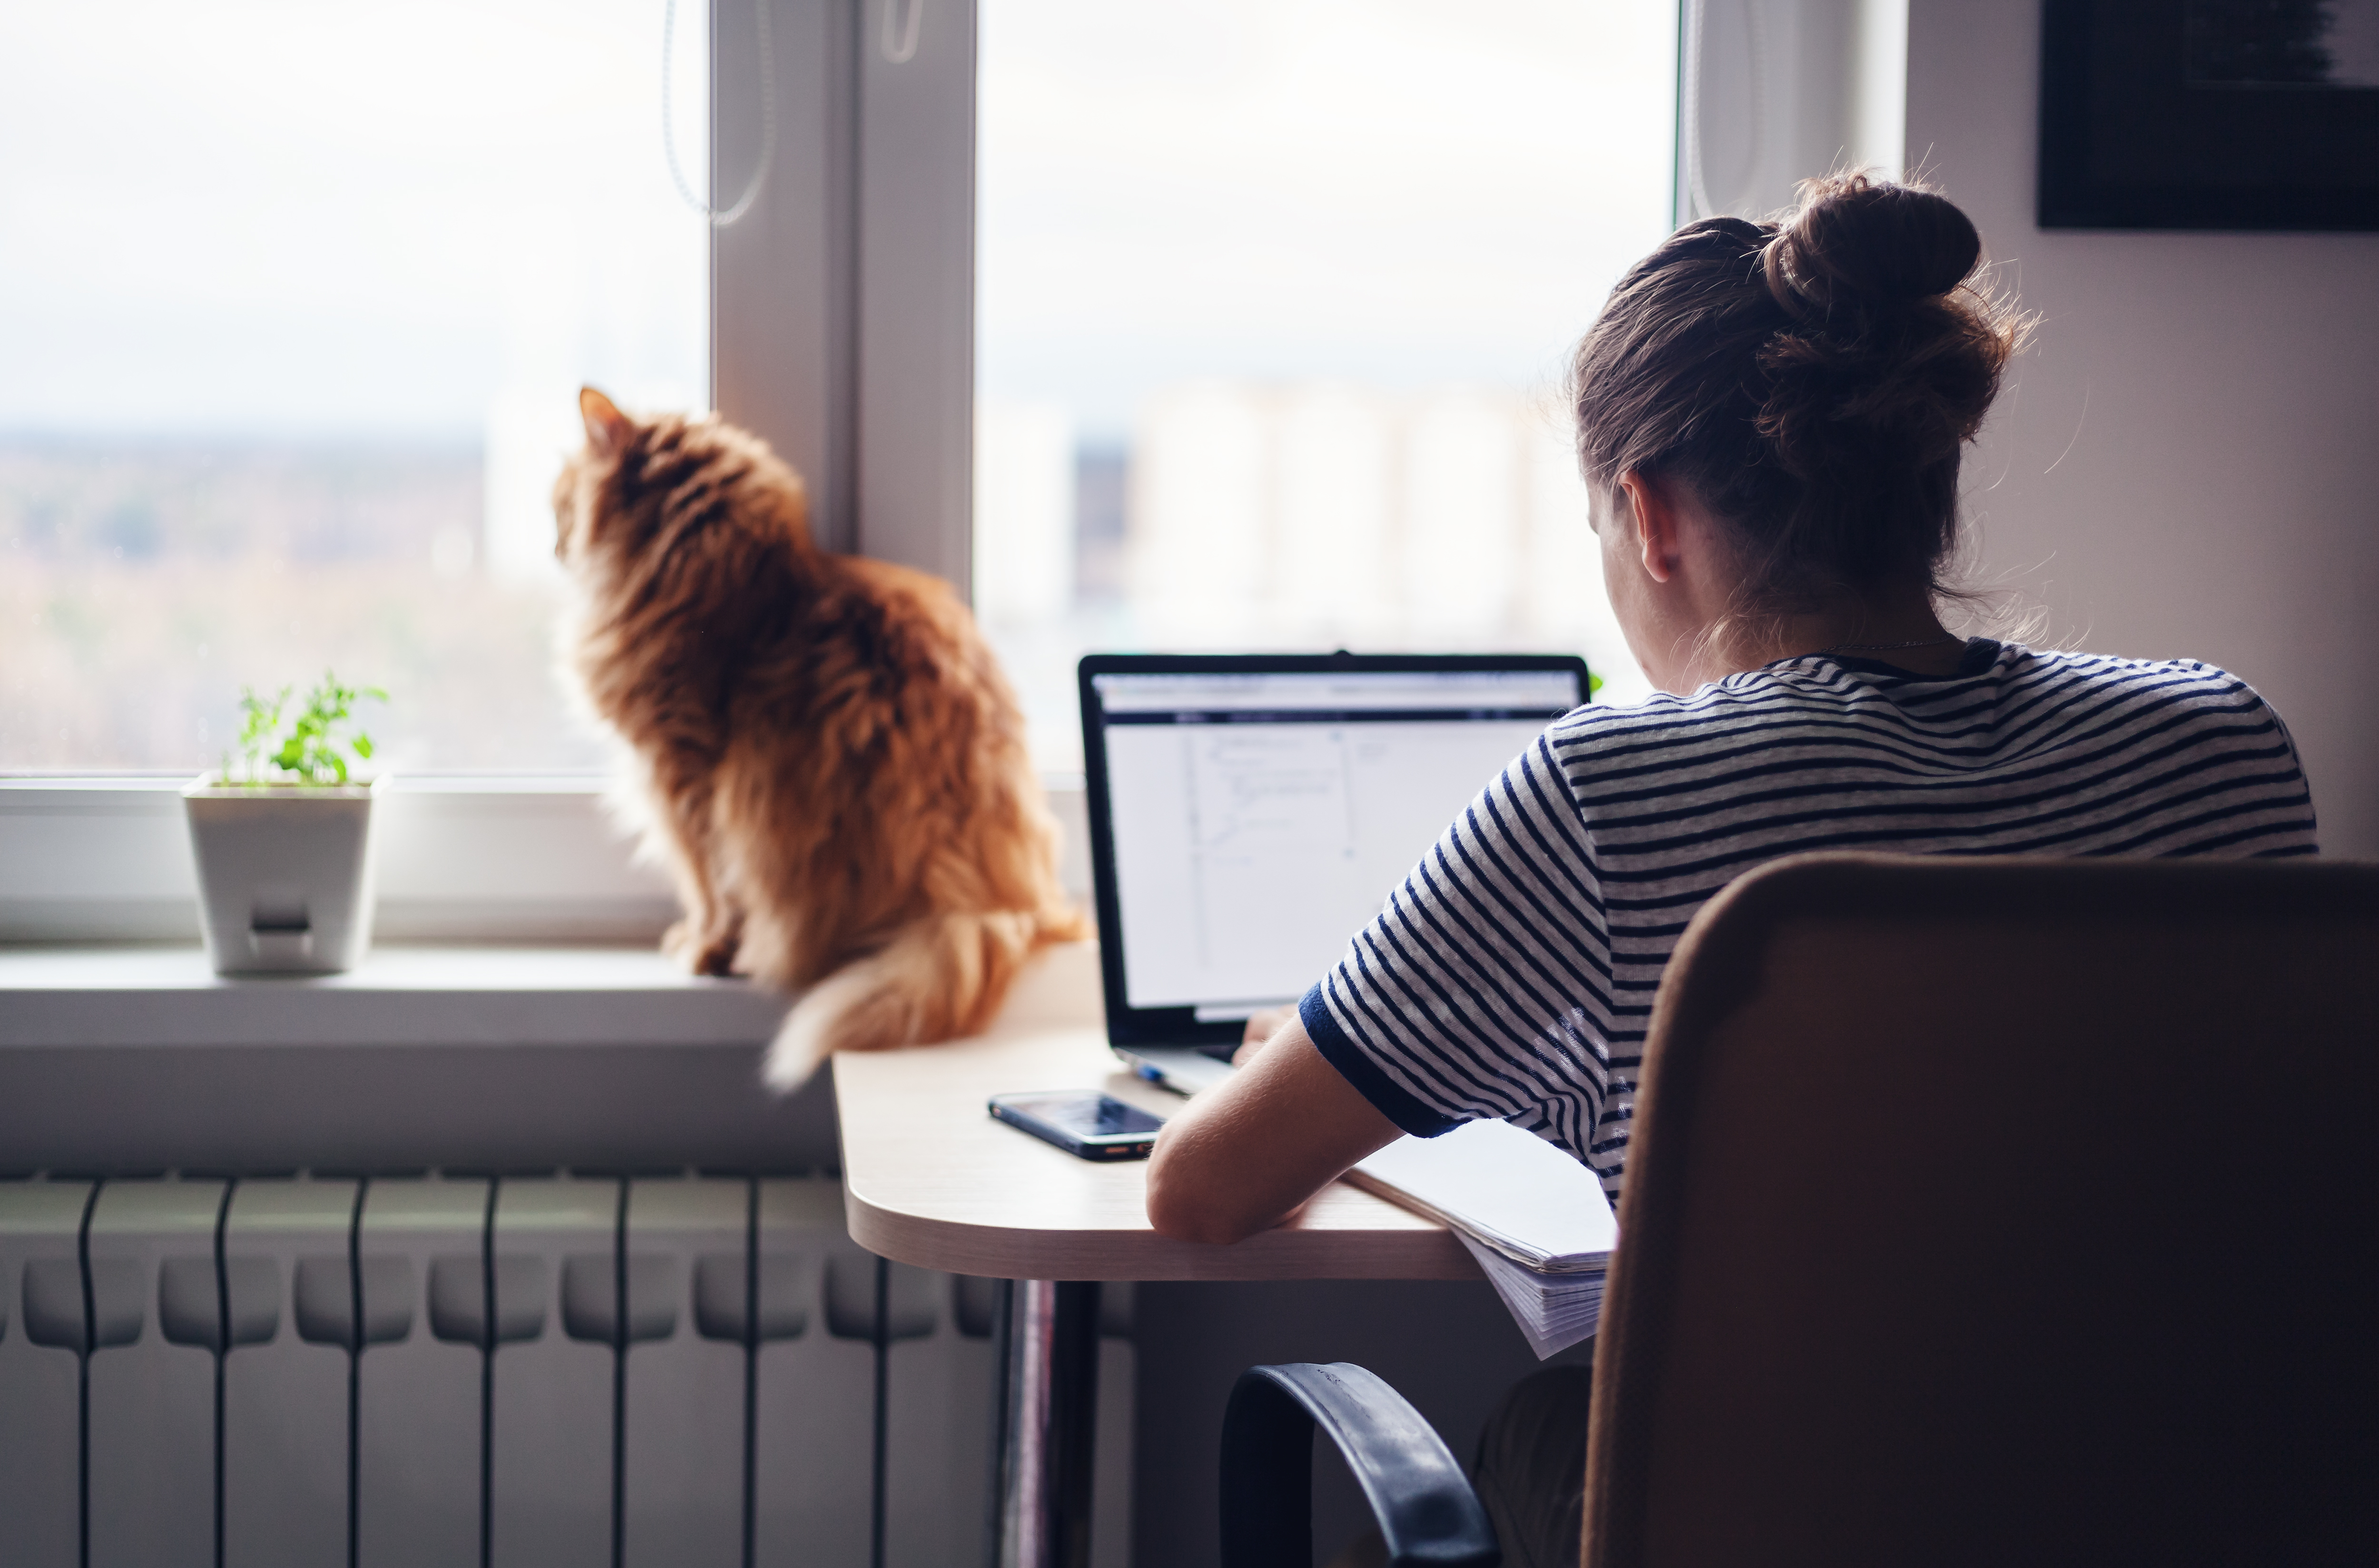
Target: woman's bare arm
[(1249, 1152)]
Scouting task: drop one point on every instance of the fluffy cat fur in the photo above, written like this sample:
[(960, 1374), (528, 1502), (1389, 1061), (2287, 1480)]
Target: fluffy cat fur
[(828, 759)]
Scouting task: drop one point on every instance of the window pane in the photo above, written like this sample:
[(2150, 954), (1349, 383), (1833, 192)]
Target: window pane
[(1276, 301), (295, 296)]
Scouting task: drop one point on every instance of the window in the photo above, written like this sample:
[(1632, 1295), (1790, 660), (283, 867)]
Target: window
[(1275, 303), (297, 299)]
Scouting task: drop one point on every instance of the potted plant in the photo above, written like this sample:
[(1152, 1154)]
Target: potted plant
[(283, 846)]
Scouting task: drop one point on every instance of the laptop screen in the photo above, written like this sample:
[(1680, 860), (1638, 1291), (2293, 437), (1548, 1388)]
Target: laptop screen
[(1257, 818)]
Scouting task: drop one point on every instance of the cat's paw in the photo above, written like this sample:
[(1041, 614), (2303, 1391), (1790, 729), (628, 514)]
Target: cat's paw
[(701, 951)]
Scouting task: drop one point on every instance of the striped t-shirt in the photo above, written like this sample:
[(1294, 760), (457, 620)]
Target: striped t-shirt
[(1511, 974)]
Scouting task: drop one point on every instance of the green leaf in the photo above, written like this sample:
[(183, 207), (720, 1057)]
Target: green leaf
[(310, 744)]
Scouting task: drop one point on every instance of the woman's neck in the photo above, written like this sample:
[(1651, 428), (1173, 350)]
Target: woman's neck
[(1899, 630)]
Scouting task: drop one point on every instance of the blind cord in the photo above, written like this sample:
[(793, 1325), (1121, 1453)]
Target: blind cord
[(1696, 194), (899, 44), (1698, 203), (721, 217)]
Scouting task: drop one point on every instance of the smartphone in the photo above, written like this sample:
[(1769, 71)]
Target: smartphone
[(1081, 1122)]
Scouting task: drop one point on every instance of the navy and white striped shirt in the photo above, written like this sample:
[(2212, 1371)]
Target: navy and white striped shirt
[(1511, 974)]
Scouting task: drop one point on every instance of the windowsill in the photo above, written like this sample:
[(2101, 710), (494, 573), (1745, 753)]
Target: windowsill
[(139, 1058), (471, 858), (166, 996)]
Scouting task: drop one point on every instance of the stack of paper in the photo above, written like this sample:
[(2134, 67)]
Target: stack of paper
[(1535, 1218), (1555, 1311)]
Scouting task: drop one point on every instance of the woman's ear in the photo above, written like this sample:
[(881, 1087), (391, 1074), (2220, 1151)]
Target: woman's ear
[(1646, 506)]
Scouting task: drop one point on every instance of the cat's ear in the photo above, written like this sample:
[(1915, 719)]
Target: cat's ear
[(607, 429)]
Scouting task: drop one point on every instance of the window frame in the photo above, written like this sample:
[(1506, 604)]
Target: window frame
[(842, 330), (460, 858), (842, 305)]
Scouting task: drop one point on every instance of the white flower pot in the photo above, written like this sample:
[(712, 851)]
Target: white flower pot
[(284, 874)]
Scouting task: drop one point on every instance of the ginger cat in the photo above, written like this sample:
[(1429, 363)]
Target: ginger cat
[(829, 760)]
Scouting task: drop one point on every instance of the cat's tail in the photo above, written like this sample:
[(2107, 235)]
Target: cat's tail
[(942, 978)]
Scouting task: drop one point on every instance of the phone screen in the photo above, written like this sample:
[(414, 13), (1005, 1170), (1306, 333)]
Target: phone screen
[(1085, 1115)]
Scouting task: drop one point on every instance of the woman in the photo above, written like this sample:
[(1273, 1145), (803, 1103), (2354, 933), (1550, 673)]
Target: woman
[(1770, 419)]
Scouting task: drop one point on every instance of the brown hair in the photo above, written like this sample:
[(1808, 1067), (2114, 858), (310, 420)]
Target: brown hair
[(1812, 381)]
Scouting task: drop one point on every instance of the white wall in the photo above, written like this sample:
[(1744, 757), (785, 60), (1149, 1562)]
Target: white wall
[(2187, 462)]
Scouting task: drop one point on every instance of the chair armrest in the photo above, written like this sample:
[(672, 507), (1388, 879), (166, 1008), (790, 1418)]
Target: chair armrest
[(1423, 1502)]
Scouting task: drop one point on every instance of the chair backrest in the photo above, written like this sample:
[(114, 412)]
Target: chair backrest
[(1999, 1212)]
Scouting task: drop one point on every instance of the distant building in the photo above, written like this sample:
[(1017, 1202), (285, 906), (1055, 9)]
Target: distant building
[(1285, 516), (1330, 515)]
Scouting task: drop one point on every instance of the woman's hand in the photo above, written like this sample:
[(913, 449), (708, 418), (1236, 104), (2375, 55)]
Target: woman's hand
[(1249, 1151)]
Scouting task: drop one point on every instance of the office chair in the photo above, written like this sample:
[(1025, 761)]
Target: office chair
[(1977, 1212)]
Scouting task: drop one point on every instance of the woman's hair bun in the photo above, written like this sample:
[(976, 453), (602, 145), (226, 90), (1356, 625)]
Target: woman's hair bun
[(1852, 243), (1813, 381)]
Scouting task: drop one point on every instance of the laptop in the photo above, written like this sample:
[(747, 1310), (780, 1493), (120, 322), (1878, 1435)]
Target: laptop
[(1250, 814)]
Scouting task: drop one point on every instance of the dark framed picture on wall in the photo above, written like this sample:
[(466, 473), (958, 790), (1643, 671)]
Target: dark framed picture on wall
[(2209, 115)]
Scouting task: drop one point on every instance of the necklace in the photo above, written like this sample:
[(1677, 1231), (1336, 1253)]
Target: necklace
[(1887, 647)]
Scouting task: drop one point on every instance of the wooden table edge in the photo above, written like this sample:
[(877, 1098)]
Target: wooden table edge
[(1287, 1253)]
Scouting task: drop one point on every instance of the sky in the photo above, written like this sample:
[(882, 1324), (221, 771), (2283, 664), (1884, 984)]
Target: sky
[(329, 218), (1396, 192)]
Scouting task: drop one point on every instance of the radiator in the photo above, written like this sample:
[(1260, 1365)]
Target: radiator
[(547, 1371)]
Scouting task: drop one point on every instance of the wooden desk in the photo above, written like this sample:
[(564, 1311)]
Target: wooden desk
[(929, 1178)]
